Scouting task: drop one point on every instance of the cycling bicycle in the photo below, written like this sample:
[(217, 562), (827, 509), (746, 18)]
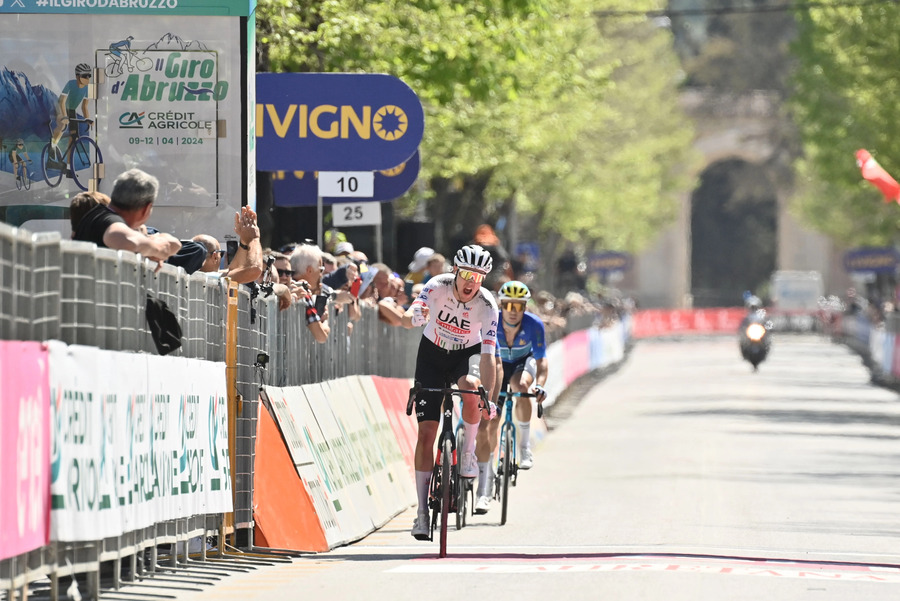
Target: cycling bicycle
[(23, 180), (81, 153), (114, 63), (507, 461), (444, 492)]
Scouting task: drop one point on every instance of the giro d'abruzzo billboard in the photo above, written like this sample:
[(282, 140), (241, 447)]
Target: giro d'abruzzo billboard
[(92, 88)]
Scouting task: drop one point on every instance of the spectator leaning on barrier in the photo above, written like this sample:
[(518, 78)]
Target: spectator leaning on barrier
[(390, 306), (118, 225), (82, 203), (381, 279), (306, 262), (270, 277)]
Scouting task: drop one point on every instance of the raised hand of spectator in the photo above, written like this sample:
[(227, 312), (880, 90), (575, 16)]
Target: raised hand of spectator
[(245, 225)]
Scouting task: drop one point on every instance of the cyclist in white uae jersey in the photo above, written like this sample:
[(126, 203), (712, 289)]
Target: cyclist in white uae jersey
[(458, 346)]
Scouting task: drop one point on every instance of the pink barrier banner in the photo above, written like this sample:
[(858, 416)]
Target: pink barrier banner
[(577, 348), (394, 393), (663, 322), (24, 447)]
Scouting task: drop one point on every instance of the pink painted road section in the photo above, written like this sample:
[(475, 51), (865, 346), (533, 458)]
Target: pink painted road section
[(513, 563), (24, 447)]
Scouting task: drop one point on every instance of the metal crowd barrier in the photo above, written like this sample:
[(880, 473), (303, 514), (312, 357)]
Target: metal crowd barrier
[(80, 294)]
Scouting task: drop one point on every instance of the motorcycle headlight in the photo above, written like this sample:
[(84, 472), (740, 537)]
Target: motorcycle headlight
[(755, 332)]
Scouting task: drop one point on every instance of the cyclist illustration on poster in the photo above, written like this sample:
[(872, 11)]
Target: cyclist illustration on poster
[(112, 93)]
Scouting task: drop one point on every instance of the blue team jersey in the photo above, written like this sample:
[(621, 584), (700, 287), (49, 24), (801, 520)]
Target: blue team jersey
[(74, 94), (528, 341)]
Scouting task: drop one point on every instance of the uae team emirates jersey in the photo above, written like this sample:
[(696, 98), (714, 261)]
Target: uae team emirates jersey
[(454, 325)]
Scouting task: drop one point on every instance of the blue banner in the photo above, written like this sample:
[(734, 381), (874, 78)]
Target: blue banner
[(300, 188), (606, 262), (335, 122), (871, 260)]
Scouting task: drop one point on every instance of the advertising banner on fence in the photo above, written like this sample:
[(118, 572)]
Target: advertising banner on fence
[(136, 439), (85, 97), (306, 444), (24, 447)]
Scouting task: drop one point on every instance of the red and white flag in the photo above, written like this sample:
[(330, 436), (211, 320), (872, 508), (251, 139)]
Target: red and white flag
[(875, 173)]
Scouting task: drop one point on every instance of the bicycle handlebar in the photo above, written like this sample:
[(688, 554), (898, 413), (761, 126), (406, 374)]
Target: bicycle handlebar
[(531, 395), (417, 388)]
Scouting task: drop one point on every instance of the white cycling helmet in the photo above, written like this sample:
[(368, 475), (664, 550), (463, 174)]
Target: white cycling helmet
[(473, 258)]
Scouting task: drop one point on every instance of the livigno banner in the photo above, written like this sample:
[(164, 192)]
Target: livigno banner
[(85, 97), (135, 439)]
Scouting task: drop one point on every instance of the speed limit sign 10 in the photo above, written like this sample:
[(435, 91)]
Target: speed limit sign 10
[(356, 213)]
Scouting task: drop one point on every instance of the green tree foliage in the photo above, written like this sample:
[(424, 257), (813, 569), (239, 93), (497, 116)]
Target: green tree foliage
[(531, 102), (845, 91)]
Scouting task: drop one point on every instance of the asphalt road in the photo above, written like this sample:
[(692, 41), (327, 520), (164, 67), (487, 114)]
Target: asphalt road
[(683, 475)]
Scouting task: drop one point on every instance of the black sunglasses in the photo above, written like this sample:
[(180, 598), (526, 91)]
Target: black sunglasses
[(285, 273)]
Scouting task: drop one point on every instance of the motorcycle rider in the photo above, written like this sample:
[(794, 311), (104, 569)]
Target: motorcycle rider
[(755, 311), (754, 346)]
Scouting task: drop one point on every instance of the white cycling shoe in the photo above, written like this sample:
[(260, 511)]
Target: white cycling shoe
[(482, 505), (421, 529), (469, 466), (527, 461)]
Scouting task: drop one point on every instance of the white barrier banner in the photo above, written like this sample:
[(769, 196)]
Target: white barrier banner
[(135, 439), (303, 437), (354, 507), (363, 448)]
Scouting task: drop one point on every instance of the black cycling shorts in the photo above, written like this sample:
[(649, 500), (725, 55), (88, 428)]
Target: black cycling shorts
[(527, 364), (436, 368)]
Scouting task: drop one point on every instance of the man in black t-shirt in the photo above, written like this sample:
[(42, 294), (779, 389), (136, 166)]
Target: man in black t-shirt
[(121, 225)]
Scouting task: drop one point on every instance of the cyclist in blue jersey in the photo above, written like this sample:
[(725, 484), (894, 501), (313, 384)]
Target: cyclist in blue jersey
[(73, 97), (15, 158), (523, 353), (121, 54)]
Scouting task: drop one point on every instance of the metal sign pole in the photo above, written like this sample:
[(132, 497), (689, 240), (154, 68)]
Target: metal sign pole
[(320, 220), (378, 242)]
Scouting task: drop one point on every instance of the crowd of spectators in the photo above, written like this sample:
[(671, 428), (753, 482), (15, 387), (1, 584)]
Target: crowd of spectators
[(301, 274)]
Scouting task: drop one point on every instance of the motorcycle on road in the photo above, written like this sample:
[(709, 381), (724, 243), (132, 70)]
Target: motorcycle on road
[(753, 338)]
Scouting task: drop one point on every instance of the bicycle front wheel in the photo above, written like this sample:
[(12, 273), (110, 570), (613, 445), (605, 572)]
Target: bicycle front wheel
[(86, 155), (26, 179), (447, 481), (506, 466), (52, 174), (462, 488)]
